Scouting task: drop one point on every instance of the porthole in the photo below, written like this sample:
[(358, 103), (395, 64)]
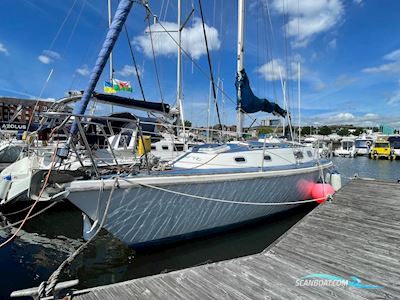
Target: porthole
[(309, 153), (164, 147), (267, 157), (240, 159)]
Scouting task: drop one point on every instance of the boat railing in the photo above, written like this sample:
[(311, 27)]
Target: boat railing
[(95, 132)]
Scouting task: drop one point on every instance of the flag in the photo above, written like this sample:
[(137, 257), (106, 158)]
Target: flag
[(120, 85), (108, 88)]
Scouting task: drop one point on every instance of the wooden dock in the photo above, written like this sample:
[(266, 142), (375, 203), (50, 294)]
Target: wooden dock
[(357, 234)]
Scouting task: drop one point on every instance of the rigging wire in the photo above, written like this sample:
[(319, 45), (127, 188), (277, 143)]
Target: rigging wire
[(62, 24), (147, 7), (210, 65), (135, 65), (154, 56), (74, 27), (270, 40)]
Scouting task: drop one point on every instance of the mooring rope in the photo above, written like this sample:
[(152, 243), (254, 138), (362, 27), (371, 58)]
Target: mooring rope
[(46, 288), (46, 179), (232, 201)]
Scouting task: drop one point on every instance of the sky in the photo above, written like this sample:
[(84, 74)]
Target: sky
[(348, 52)]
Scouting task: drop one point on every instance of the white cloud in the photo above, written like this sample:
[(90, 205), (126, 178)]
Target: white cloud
[(338, 118), (84, 70), (44, 59), (192, 39), (275, 68), (394, 98), (332, 44), (308, 18), (359, 2), (3, 49), (128, 70), (319, 85), (393, 66), (346, 116), (48, 56)]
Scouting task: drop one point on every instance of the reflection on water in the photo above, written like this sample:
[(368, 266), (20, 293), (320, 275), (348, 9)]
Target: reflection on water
[(48, 239), (363, 166), (39, 249)]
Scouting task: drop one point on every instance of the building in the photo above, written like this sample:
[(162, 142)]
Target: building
[(387, 130), (15, 113), (270, 122)]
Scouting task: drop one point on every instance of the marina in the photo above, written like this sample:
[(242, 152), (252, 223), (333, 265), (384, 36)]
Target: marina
[(120, 181), (346, 237), (341, 251)]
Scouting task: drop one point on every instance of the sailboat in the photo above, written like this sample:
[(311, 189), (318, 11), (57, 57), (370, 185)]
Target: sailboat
[(210, 187)]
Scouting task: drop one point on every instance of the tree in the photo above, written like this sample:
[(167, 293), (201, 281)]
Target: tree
[(265, 130), (306, 130), (359, 131), (343, 132), (325, 130), (188, 123)]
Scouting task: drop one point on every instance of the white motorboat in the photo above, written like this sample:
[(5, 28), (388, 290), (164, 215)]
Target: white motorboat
[(347, 148), (320, 145), (363, 145), (395, 144)]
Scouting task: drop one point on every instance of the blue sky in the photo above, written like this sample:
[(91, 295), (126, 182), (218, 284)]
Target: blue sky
[(349, 53)]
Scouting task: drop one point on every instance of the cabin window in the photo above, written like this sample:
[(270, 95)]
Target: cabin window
[(267, 157), (240, 159), (309, 153), (164, 147), (179, 147), (153, 147)]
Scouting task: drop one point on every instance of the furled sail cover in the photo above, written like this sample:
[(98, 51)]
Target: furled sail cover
[(251, 103)]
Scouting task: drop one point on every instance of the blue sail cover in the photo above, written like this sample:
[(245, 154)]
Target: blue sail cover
[(251, 103), (118, 22)]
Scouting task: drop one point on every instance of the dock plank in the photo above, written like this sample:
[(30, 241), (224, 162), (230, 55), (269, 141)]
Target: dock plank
[(358, 234)]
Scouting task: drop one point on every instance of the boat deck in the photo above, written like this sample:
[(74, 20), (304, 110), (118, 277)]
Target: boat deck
[(358, 234)]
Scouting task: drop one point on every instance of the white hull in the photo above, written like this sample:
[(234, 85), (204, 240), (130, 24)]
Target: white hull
[(141, 215), (362, 151), (345, 153)]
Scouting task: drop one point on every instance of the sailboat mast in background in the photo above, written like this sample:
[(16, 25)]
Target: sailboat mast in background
[(240, 57), (178, 73)]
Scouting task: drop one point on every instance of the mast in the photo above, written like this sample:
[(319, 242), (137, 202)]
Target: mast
[(298, 94), (209, 113), (178, 71), (111, 56), (240, 57)]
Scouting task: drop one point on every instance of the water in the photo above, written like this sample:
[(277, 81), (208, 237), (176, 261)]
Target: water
[(368, 168), (48, 239)]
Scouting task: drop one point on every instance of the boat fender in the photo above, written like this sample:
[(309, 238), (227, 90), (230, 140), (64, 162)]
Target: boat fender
[(336, 181), (88, 228), (328, 177), (5, 185), (321, 191)]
